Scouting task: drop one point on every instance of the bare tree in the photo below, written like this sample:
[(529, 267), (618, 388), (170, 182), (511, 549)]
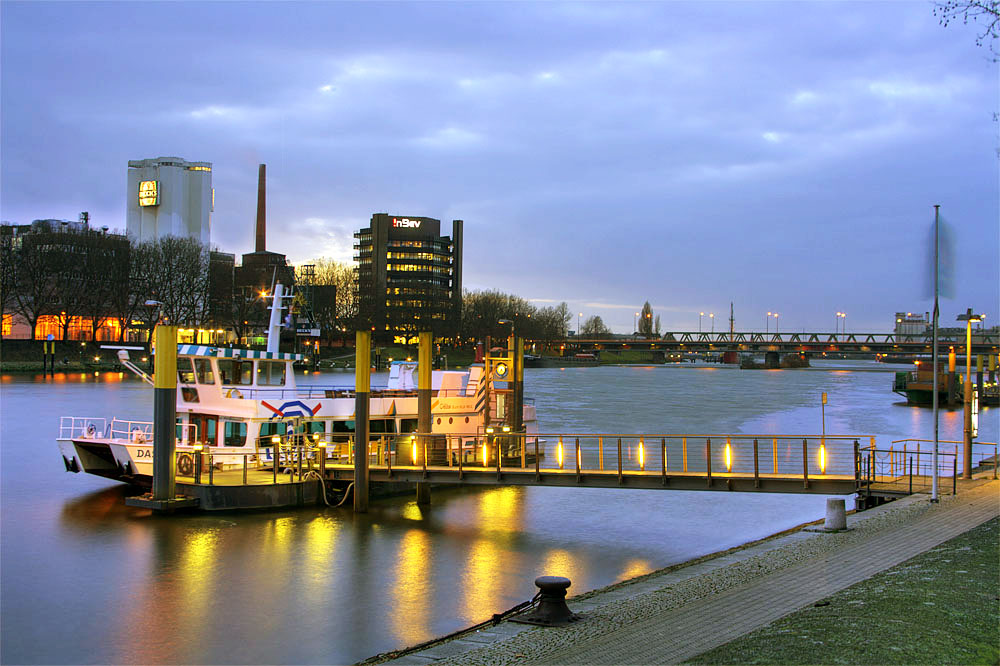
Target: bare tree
[(33, 265), (176, 275), (341, 276), (985, 13), (594, 328)]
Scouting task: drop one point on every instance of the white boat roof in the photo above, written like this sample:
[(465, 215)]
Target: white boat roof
[(226, 352)]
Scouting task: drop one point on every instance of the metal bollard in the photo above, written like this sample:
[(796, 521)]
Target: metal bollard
[(552, 610)]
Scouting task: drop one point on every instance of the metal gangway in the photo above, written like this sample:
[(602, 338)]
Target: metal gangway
[(826, 465)]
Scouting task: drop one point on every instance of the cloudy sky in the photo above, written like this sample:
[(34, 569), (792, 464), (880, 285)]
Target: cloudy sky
[(782, 156)]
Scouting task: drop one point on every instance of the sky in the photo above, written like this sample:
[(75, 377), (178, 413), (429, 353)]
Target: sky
[(783, 157)]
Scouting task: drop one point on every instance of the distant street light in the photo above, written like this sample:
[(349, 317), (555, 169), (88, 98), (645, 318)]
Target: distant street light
[(711, 315), (700, 315), (775, 323), (767, 323), (579, 314)]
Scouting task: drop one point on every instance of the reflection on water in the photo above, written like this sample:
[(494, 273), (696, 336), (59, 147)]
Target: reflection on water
[(412, 593), (322, 585)]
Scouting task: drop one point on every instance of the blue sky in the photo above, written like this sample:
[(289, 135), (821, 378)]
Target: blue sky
[(782, 156)]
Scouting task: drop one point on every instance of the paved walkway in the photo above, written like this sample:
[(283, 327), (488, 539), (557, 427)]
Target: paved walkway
[(704, 624), (677, 615)]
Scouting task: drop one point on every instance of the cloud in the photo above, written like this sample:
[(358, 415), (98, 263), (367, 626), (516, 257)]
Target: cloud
[(600, 153)]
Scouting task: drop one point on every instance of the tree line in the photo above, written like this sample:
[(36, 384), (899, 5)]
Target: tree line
[(81, 273), (86, 274)]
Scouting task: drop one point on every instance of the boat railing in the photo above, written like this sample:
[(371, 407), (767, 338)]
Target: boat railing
[(137, 432), (82, 427), (318, 391)]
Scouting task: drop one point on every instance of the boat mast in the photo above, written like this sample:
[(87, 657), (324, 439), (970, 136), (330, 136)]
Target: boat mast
[(274, 327)]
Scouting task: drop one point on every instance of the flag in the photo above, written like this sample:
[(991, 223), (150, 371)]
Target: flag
[(945, 260)]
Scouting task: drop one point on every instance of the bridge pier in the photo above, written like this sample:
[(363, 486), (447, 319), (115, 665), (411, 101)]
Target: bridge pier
[(772, 360)]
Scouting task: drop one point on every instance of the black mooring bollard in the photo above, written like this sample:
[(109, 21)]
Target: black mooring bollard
[(552, 610)]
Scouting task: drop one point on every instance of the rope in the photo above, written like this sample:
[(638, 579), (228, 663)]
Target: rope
[(313, 474)]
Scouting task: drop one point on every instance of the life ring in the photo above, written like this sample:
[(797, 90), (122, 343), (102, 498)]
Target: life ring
[(234, 393), (91, 431), (138, 436), (185, 464)]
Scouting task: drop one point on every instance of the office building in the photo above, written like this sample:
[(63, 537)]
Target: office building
[(409, 276)]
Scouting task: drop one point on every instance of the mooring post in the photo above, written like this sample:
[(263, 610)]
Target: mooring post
[(424, 384), (362, 385), (164, 412)]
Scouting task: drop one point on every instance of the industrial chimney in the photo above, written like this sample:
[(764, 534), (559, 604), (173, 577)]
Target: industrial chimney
[(261, 214)]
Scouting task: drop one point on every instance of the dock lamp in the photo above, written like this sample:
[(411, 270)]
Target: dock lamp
[(968, 318), (486, 450), (413, 448)]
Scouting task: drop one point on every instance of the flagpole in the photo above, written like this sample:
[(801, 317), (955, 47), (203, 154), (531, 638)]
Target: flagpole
[(934, 356)]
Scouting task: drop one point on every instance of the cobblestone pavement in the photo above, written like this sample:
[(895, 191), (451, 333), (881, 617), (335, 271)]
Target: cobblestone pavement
[(676, 614)]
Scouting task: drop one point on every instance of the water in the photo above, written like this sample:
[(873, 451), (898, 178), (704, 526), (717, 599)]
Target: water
[(87, 580)]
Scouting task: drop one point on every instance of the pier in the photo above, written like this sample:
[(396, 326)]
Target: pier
[(321, 469)]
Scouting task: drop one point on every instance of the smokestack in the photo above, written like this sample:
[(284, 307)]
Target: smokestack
[(261, 213)]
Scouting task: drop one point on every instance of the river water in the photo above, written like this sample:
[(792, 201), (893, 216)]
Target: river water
[(86, 579)]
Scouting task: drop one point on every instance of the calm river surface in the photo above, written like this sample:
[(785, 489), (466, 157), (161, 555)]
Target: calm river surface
[(87, 580)]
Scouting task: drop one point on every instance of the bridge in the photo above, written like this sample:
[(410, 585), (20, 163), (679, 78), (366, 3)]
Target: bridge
[(984, 342)]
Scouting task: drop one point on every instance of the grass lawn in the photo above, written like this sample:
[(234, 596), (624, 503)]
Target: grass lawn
[(940, 607)]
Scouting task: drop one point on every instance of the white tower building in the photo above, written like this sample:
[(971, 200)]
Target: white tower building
[(170, 197)]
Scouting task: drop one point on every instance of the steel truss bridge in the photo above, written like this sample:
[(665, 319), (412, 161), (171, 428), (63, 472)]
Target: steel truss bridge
[(986, 342)]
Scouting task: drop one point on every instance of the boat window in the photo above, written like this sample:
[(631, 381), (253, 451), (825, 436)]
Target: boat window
[(234, 433), (408, 425), (343, 426), (270, 373), (378, 426), (236, 373), (270, 428), (189, 394), (315, 426), (185, 375), (211, 426), (203, 368)]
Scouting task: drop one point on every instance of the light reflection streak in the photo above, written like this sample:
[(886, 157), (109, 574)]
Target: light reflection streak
[(635, 568), (482, 581), (412, 592), (559, 562)]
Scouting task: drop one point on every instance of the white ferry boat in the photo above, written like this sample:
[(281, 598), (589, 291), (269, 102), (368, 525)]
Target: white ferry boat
[(238, 404), (234, 402)]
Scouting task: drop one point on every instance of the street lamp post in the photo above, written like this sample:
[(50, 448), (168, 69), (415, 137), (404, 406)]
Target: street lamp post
[(700, 315), (776, 323), (968, 318), (711, 315), (635, 323), (578, 315), (767, 323)]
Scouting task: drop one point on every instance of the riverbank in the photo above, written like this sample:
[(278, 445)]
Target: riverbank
[(667, 615)]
